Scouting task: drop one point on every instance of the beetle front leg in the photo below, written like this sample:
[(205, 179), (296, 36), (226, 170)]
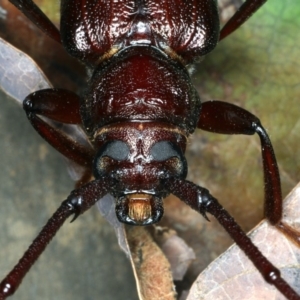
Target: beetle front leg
[(226, 118), (203, 202), (61, 106), (56, 104), (77, 203)]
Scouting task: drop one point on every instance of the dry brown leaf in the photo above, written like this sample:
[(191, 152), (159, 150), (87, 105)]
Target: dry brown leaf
[(151, 268), (233, 276), (178, 253), (157, 255)]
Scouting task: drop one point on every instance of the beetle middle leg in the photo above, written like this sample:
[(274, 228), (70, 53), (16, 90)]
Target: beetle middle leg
[(241, 16), (226, 118), (34, 13)]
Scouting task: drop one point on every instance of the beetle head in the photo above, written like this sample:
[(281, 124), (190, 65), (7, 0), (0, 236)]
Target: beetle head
[(140, 157)]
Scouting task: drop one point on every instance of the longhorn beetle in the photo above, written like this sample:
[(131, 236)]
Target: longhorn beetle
[(137, 112)]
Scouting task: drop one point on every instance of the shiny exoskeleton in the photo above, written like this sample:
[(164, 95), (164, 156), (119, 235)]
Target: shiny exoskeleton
[(137, 112)]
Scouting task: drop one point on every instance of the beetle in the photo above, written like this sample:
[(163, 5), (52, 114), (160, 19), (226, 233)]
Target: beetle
[(166, 148)]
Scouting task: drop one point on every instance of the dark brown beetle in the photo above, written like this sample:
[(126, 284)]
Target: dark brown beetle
[(138, 111)]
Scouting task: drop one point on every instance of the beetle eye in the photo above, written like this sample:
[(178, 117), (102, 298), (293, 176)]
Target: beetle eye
[(172, 157), (164, 150), (116, 150)]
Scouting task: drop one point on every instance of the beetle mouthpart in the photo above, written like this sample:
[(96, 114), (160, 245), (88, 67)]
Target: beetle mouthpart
[(139, 209)]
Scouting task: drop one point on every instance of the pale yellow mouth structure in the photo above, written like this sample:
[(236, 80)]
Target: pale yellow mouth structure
[(139, 207)]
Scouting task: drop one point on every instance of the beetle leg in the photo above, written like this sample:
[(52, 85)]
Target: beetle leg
[(247, 9), (226, 118), (61, 106), (77, 203), (202, 201), (34, 13), (56, 104)]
